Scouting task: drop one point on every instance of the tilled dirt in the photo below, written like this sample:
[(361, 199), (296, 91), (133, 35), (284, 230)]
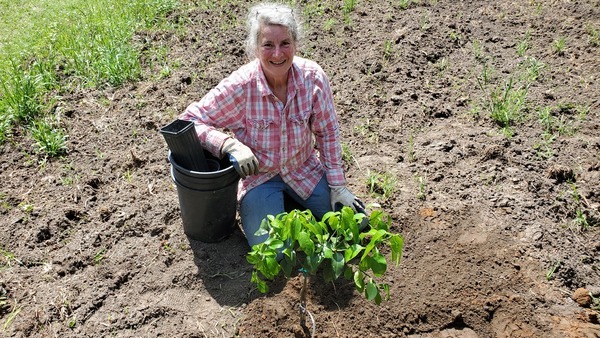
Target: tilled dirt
[(93, 245)]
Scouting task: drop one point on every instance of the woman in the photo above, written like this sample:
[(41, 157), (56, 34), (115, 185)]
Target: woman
[(278, 107)]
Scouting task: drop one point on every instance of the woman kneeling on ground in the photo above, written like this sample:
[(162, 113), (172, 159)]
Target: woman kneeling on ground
[(278, 107)]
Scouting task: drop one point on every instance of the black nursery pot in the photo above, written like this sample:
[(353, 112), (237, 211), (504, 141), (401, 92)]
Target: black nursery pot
[(184, 145), (208, 200)]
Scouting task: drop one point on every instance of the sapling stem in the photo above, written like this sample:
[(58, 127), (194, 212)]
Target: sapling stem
[(303, 301), (303, 310)]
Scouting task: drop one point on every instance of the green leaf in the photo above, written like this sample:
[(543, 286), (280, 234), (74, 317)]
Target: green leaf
[(261, 285), (386, 288), (359, 280), (327, 252), (371, 291), (274, 244), (347, 216), (329, 217), (264, 228), (287, 265), (337, 263), (396, 243), (378, 298), (348, 273), (296, 227), (334, 222), (374, 241), (313, 262), (353, 251), (306, 244), (253, 258), (377, 222), (271, 268), (377, 263)]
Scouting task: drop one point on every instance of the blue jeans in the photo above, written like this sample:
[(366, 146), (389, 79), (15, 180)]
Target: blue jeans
[(268, 199)]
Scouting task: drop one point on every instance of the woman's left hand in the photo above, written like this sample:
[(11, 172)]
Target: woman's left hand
[(341, 196)]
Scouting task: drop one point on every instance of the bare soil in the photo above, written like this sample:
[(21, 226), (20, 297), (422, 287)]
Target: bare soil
[(93, 244)]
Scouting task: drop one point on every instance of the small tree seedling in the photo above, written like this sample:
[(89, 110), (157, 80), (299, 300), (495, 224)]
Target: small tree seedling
[(333, 247)]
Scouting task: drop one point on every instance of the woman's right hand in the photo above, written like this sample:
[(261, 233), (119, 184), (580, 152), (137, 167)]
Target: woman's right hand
[(243, 160)]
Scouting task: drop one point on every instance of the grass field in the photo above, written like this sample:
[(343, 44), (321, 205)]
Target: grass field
[(50, 47)]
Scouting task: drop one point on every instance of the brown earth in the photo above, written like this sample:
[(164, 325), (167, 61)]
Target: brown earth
[(93, 244)]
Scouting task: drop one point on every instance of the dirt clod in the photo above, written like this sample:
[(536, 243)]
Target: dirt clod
[(582, 297)]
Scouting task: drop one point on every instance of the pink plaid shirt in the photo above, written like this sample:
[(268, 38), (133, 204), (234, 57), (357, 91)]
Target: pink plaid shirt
[(283, 138)]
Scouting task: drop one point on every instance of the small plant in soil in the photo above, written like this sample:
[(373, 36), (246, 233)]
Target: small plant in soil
[(381, 184), (593, 35), (559, 45), (332, 247), (523, 45), (51, 141), (552, 270), (387, 49), (421, 194)]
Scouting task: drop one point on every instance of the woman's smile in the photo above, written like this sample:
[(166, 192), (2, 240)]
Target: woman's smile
[(276, 52)]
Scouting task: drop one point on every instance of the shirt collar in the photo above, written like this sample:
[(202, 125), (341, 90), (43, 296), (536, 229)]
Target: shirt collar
[(294, 79)]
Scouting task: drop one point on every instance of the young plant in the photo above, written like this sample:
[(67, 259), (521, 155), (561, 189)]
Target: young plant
[(552, 270), (421, 194), (523, 45), (424, 23), (559, 45), (50, 140), (544, 148), (348, 8), (532, 69), (347, 155), (329, 24), (404, 4), (442, 65), (99, 256), (334, 247), (7, 258), (411, 149), (381, 184), (387, 50), (454, 36), (593, 35), (505, 104), (478, 51)]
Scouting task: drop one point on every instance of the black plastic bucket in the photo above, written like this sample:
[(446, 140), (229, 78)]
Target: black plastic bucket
[(207, 200)]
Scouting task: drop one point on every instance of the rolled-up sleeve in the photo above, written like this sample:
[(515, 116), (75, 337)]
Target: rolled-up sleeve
[(222, 107), (325, 126)]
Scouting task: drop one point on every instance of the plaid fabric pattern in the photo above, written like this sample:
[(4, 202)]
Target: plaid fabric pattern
[(298, 140)]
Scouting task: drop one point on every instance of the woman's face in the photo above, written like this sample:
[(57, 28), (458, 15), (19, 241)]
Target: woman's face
[(276, 50)]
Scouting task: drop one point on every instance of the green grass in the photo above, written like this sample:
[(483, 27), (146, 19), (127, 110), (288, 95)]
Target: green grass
[(57, 46), (559, 45), (523, 45), (380, 184), (593, 34), (347, 8), (505, 99)]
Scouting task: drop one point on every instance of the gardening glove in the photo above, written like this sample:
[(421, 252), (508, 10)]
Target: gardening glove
[(341, 196), (242, 158)]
